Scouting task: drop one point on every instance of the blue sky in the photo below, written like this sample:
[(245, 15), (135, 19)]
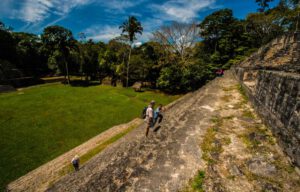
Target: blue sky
[(99, 19)]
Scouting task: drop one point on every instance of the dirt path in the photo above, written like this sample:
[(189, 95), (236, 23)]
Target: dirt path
[(214, 130)]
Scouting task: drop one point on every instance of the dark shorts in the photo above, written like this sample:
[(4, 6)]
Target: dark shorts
[(150, 122)]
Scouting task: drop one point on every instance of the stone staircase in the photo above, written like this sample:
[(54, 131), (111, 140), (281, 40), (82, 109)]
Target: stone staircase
[(165, 160), (171, 155)]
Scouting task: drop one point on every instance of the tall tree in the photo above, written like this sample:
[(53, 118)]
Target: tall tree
[(264, 4), (31, 61), (178, 38), (263, 27), (7, 44), (90, 52), (221, 34), (213, 27), (108, 61), (130, 28), (59, 41), (8, 53)]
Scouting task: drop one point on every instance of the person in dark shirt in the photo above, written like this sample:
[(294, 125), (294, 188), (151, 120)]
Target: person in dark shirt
[(158, 114)]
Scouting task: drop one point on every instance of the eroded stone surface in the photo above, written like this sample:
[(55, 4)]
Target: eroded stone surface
[(172, 154), (271, 78)]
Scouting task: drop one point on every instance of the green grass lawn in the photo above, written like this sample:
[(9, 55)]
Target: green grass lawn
[(40, 123)]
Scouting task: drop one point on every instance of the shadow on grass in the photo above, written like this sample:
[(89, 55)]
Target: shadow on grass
[(83, 83)]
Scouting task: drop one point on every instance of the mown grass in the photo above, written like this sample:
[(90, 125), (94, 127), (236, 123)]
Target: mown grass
[(40, 123)]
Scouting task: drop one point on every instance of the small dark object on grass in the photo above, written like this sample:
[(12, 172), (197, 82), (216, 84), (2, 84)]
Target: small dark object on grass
[(75, 162)]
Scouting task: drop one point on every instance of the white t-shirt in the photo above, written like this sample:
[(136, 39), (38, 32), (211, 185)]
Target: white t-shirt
[(149, 112)]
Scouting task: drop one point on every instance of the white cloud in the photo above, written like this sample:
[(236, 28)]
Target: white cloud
[(33, 11), (108, 32), (102, 33), (120, 5), (137, 44), (54, 21), (181, 10)]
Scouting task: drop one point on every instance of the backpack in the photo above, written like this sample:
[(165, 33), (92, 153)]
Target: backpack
[(143, 114)]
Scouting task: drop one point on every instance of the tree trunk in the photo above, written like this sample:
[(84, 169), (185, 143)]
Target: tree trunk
[(123, 71), (127, 70), (297, 23), (67, 71), (216, 46), (113, 81)]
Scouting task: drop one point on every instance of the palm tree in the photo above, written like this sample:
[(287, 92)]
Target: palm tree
[(130, 28)]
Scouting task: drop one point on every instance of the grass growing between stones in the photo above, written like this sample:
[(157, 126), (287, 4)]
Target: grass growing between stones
[(102, 146), (196, 184), (244, 99), (248, 114), (207, 145), (198, 181), (284, 166), (40, 123), (226, 141), (250, 143), (211, 146), (231, 88), (243, 92), (90, 154)]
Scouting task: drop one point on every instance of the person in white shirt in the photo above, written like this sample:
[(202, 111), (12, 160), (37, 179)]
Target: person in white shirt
[(150, 116)]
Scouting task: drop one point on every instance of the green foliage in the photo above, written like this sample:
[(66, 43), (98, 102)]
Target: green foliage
[(130, 27), (8, 71), (170, 78), (58, 42), (90, 57), (262, 27), (264, 4), (178, 78), (30, 59), (216, 28), (108, 61), (7, 44), (198, 182)]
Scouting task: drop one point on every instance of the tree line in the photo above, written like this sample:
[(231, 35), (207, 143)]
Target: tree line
[(179, 57)]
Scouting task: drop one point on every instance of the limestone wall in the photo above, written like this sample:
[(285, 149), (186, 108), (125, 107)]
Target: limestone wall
[(271, 78)]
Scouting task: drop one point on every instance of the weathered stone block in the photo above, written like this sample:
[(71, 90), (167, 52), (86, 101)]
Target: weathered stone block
[(275, 70)]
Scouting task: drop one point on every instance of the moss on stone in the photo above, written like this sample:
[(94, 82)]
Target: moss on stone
[(226, 141), (248, 114)]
